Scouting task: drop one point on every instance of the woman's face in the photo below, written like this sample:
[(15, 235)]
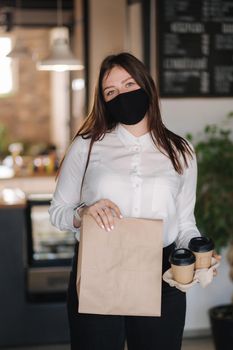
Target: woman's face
[(117, 81)]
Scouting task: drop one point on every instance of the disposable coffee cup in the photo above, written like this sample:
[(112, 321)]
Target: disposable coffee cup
[(202, 248), (182, 263)]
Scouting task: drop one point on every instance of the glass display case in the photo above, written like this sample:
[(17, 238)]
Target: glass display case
[(49, 252)]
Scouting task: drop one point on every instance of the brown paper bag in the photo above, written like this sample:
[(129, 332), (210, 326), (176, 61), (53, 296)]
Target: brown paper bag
[(120, 272)]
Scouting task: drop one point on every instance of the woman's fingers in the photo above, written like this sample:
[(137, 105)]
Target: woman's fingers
[(217, 256), (103, 211), (99, 220), (108, 219), (104, 218), (109, 210), (114, 208), (91, 210)]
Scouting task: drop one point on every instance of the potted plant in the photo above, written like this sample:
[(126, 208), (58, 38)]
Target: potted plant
[(214, 211)]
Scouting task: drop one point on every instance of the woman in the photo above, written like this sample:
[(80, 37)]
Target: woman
[(125, 162)]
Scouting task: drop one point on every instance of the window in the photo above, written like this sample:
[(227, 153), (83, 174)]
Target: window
[(6, 74)]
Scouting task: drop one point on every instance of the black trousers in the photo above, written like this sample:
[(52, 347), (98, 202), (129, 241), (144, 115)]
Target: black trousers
[(107, 332)]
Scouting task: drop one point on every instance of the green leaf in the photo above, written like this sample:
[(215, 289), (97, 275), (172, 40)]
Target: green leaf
[(214, 201)]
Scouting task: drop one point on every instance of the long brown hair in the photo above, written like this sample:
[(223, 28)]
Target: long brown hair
[(98, 122)]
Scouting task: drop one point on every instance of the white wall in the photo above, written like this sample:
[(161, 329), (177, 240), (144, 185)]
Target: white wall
[(107, 34), (134, 30), (184, 115)]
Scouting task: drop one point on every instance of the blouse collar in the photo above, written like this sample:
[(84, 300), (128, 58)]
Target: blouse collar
[(129, 139)]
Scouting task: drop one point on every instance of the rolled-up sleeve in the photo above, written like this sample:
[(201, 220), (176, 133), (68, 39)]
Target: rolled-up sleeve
[(185, 205), (67, 193)]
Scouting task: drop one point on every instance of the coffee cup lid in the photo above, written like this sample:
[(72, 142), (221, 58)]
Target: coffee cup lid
[(201, 244), (182, 257)]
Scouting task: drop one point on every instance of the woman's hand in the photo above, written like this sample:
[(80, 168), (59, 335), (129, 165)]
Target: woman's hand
[(103, 211), (218, 258)]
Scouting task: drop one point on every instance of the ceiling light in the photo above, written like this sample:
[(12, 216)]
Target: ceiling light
[(60, 58), (19, 50)]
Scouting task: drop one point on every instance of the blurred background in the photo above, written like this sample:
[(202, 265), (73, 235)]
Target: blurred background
[(50, 52)]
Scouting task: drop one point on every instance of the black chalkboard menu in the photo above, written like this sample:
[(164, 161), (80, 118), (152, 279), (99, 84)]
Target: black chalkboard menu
[(195, 48)]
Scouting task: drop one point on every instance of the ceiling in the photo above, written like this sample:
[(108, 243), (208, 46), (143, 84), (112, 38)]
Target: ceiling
[(37, 4), (36, 13)]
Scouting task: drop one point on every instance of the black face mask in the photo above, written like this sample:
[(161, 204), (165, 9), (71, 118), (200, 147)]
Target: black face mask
[(129, 107)]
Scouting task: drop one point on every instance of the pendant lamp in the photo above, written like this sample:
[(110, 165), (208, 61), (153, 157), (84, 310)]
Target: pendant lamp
[(60, 58), (19, 50)]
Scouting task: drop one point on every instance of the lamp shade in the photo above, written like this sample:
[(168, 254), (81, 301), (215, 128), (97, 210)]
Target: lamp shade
[(61, 58), (19, 51)]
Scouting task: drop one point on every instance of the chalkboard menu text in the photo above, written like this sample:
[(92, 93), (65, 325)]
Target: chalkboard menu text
[(195, 48)]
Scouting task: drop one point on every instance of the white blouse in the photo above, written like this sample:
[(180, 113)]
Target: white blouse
[(134, 174)]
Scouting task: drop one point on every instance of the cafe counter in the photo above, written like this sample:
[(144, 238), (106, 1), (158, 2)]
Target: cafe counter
[(31, 312), (30, 184)]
